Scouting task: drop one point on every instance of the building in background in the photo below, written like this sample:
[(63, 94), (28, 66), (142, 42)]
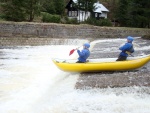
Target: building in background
[(100, 11)]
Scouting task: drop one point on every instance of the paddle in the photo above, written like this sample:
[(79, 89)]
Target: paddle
[(72, 51)]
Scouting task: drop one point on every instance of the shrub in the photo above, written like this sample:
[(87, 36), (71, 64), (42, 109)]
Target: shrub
[(100, 22), (2, 16), (66, 20), (105, 22), (46, 17), (72, 21)]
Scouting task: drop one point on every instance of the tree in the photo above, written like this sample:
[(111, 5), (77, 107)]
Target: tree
[(54, 7), (59, 7), (122, 12), (134, 13), (49, 6), (140, 13), (85, 5), (112, 5), (17, 10), (13, 10), (32, 8)]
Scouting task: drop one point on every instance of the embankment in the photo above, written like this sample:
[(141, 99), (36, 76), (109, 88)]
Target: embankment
[(25, 33)]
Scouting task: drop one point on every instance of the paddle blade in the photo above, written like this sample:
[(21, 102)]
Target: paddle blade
[(71, 52)]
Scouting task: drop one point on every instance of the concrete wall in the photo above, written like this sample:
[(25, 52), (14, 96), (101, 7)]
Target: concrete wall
[(41, 32)]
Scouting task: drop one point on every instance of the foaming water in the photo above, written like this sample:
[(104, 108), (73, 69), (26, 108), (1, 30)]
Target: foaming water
[(31, 83), (27, 75)]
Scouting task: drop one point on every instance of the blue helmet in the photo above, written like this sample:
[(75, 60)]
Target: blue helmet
[(87, 45), (130, 38)]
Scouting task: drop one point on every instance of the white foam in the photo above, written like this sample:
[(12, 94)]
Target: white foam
[(31, 83)]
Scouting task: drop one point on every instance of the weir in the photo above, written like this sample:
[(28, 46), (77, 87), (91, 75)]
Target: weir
[(105, 48), (31, 83)]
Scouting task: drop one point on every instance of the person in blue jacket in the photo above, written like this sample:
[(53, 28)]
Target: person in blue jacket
[(84, 54), (127, 49)]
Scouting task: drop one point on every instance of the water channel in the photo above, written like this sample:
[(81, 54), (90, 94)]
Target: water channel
[(31, 83)]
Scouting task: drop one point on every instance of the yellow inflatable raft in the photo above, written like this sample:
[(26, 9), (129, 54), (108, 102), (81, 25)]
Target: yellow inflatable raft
[(95, 65)]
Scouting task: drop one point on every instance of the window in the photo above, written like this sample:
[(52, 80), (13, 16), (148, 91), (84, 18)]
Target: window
[(95, 14), (75, 13), (69, 13), (72, 13)]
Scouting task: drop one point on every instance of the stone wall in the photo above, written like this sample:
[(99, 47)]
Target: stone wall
[(29, 32)]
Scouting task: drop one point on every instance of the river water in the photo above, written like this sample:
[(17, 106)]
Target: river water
[(31, 83)]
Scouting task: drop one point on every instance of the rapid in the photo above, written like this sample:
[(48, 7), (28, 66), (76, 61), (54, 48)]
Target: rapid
[(31, 83)]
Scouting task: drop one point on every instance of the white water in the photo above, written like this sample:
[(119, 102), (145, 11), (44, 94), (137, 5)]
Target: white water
[(31, 83)]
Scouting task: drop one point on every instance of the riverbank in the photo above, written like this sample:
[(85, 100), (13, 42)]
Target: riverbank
[(26, 33)]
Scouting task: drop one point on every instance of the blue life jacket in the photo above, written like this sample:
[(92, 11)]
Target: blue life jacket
[(128, 47), (83, 55)]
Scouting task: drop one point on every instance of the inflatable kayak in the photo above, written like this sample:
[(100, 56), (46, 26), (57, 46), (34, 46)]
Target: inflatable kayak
[(95, 65)]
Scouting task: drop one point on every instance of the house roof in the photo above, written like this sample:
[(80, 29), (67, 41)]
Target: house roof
[(100, 8), (75, 1)]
